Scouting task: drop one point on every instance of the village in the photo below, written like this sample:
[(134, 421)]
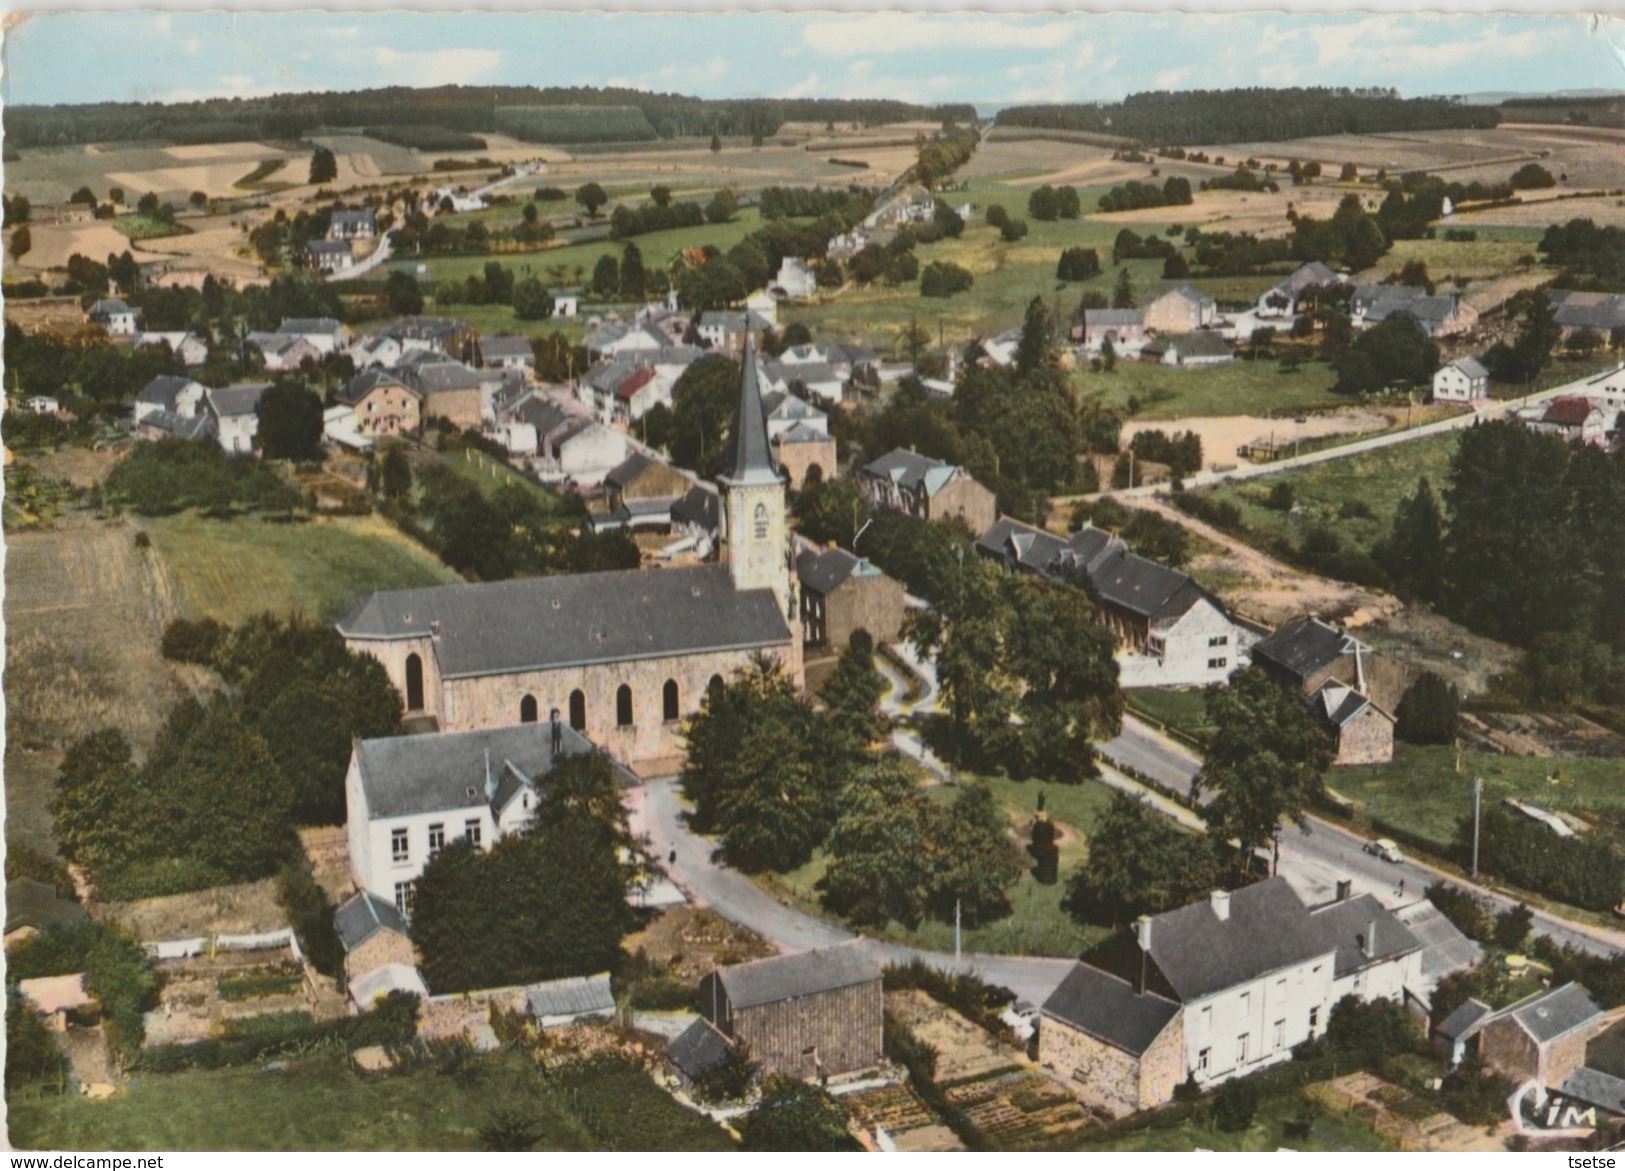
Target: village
[(887, 629)]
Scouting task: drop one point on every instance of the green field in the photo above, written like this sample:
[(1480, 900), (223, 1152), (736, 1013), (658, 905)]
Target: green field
[(1037, 924), (490, 475), (1495, 253), (231, 570), (320, 1103), (1239, 388), (658, 248), (1378, 479), (144, 227), (1422, 791)]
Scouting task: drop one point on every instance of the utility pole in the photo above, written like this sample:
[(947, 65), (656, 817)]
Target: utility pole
[(1478, 802), (957, 952)]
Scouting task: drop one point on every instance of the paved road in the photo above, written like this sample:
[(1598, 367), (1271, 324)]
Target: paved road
[(1493, 410), (657, 812), (1314, 861), (380, 255)]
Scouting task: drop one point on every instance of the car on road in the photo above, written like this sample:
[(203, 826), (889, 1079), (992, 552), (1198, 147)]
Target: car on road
[(1386, 849)]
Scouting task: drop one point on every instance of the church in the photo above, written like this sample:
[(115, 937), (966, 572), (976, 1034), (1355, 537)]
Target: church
[(624, 656)]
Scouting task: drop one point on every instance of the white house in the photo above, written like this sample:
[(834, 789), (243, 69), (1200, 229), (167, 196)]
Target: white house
[(1463, 381), (1576, 419), (1281, 300), (506, 352), (1217, 990), (116, 317), (376, 350), (329, 255), (283, 351), (566, 305), (326, 335), (234, 415), (763, 303), (1607, 391), (406, 797), (188, 347), (353, 225), (172, 393), (42, 404), (784, 411)]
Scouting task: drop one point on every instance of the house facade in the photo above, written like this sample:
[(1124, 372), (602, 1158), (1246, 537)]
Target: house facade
[(328, 256), (374, 934), (1123, 328), (1463, 381), (381, 404), (1182, 309), (1217, 990), (841, 594), (1574, 419), (930, 489), (407, 797), (815, 1014), (234, 415), (1542, 1038), (1350, 690), (116, 317)]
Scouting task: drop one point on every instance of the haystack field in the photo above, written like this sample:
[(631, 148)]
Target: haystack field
[(54, 243), (1262, 213)]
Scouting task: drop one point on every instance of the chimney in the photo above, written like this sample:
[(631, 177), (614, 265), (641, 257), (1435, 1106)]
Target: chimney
[(1142, 935), (1368, 942), (1345, 889), (1221, 904)]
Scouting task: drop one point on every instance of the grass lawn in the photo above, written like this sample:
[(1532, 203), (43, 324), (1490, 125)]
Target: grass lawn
[(1422, 791), (322, 1104), (1377, 479), (1494, 254), (490, 475), (1240, 388), (145, 227), (1267, 1133), (658, 249), (1037, 923), (1181, 709), (230, 570)]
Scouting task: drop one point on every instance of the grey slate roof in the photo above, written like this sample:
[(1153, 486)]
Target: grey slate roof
[(1464, 1022), (177, 426), (1142, 586), (823, 571), (403, 775), (806, 974), (240, 399), (1111, 318), (507, 346), (1337, 703), (365, 383), (1268, 929), (327, 247), (1471, 367), (801, 433), (1303, 647), (571, 996), (165, 390), (1346, 922), (1021, 546), (361, 916), (911, 470), (429, 377), (1550, 1015), (698, 1049), (544, 622), (749, 461), (700, 507), (1597, 1088), (422, 329), (32, 903), (1107, 1008)]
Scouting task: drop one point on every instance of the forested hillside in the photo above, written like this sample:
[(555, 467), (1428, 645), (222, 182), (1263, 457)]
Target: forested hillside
[(467, 109), (1253, 115)]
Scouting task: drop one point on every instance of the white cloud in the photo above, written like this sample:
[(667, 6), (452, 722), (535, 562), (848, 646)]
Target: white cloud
[(440, 67), (1170, 78), (805, 88), (193, 46), (1085, 56), (860, 68), (910, 32)]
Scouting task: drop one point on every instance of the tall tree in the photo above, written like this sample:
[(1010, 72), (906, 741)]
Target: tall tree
[(592, 197), (853, 694), (290, 422), (880, 850), (795, 1116), (1264, 760), (1413, 554), (1123, 291), (324, 167), (703, 401), (634, 279), (1036, 350), (977, 861), (1139, 864)]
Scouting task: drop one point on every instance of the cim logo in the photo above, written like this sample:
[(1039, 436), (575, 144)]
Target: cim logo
[(1535, 1112)]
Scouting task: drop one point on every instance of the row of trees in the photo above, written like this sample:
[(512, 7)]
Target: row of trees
[(216, 798), (1174, 192)]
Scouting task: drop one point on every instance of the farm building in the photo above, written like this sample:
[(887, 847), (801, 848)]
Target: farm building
[(555, 1003), (812, 1015), (1463, 381)]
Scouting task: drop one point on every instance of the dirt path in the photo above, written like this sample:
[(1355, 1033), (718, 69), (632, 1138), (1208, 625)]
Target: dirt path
[(1269, 591)]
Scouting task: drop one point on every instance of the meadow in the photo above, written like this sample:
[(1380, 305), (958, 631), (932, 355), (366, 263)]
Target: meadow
[(232, 570)]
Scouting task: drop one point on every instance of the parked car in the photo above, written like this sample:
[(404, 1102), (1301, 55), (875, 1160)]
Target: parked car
[(1386, 849)]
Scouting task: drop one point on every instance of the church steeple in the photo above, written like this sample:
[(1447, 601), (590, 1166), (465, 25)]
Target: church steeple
[(750, 460), (757, 529)]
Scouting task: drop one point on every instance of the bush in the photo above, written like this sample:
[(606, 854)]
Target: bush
[(310, 914), (1512, 927), (1583, 872), (942, 278), (116, 969), (192, 642), (1470, 914), (1428, 712), (967, 995), (1235, 1105), (1281, 497)]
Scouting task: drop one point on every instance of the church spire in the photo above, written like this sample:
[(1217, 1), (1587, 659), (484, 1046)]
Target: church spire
[(750, 461)]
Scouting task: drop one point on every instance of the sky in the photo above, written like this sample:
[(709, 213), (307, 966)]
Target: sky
[(988, 58)]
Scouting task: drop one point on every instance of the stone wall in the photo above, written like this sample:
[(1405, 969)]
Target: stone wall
[(1367, 739), (873, 603), (1506, 1048), (1162, 1065), (795, 458), (1097, 1073), (380, 948), (965, 498), (462, 407)]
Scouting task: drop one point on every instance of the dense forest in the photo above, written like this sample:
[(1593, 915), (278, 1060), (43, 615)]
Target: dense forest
[(1254, 115), (464, 109)]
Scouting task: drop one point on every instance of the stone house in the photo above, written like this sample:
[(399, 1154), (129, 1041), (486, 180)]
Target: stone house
[(282, 352), (1217, 990), (380, 403), (171, 393), (1463, 381), (188, 348), (799, 449), (842, 593), (639, 494), (375, 350), (567, 443), (930, 489), (816, 1014), (1543, 1037), (406, 797), (1181, 309), (374, 933), (1435, 316), (361, 224), (326, 334), (441, 335), (1308, 654), (446, 388)]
